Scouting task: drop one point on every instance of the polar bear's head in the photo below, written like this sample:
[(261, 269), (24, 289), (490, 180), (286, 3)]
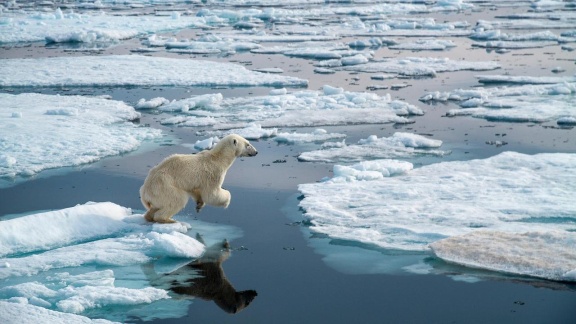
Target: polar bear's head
[(242, 146)]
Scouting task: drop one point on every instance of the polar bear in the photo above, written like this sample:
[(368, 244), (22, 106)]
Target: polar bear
[(169, 184)]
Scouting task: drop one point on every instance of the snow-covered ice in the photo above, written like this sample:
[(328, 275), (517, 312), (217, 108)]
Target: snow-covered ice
[(133, 70), (40, 132), (88, 259), (399, 145), (68, 26), (330, 106), (389, 204), (413, 66)]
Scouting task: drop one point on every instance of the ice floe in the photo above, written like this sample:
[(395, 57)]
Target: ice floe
[(133, 70), (88, 260), (524, 103), (412, 66), (388, 204), (425, 44), (330, 106), (399, 145), (67, 26), (318, 135), (40, 132)]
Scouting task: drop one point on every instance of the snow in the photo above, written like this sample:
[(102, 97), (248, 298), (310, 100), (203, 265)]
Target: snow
[(39, 132), (524, 103), (399, 145), (133, 70), (388, 204), (89, 258)]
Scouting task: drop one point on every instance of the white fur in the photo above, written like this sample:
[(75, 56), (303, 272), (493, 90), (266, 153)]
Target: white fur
[(169, 184)]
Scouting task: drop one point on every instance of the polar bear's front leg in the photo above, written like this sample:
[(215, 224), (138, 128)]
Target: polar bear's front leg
[(219, 198), (195, 194)]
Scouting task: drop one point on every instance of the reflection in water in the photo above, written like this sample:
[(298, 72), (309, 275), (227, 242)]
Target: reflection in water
[(204, 278)]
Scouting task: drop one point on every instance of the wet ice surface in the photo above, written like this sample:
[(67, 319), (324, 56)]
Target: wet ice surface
[(50, 260), (366, 64)]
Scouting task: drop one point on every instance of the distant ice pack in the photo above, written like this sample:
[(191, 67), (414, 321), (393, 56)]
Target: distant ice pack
[(528, 99), (133, 70)]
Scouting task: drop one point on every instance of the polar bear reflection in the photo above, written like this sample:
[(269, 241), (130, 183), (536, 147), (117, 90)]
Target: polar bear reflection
[(204, 278)]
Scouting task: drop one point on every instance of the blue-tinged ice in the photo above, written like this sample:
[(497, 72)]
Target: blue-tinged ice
[(90, 260)]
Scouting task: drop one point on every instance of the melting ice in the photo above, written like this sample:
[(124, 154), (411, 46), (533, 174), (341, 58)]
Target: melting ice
[(389, 204), (89, 259)]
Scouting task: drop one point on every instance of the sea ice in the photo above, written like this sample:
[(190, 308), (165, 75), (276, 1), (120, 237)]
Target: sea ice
[(425, 44), (59, 26), (88, 260), (399, 145), (133, 70), (414, 66), (40, 132), (318, 135), (17, 311), (549, 255), (331, 106), (397, 208), (525, 103)]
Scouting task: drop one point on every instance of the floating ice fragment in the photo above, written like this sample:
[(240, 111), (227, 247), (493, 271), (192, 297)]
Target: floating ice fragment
[(417, 207), (329, 90), (206, 144), (152, 103), (318, 135), (396, 146)]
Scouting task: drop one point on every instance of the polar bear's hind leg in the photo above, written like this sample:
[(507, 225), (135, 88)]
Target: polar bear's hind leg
[(149, 215), (174, 201)]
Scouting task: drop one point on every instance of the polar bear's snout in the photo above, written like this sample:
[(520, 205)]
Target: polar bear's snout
[(251, 150)]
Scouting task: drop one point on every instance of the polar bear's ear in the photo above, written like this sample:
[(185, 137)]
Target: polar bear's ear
[(234, 142)]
